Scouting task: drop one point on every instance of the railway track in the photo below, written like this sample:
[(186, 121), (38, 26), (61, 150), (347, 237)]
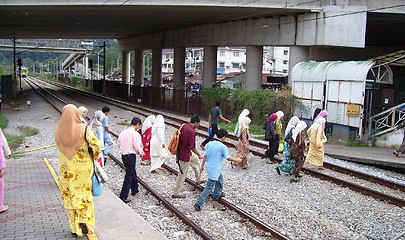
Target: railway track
[(197, 229), (175, 122)]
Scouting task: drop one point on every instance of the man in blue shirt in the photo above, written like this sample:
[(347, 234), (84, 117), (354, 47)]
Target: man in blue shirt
[(107, 137), (215, 154)]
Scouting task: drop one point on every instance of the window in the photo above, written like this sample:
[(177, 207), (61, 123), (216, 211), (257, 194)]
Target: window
[(221, 64), (236, 54), (284, 70), (285, 61), (286, 52), (235, 65), (222, 53)]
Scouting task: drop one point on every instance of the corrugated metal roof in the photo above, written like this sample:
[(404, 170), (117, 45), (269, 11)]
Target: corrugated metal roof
[(331, 70)]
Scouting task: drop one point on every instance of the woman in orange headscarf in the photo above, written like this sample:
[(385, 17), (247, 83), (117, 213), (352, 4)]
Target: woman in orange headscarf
[(76, 169)]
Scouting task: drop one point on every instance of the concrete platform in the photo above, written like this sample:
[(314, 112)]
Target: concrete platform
[(368, 155), (36, 208)]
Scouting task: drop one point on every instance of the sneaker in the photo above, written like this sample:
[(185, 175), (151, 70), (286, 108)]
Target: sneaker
[(178, 196), (126, 200), (134, 193), (197, 207)]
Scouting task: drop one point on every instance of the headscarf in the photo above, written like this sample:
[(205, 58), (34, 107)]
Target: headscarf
[(245, 124), (242, 115), (322, 113), (95, 121), (280, 114), (319, 122), (272, 118), (300, 127), (69, 132), (292, 123), (159, 122), (316, 112), (81, 110), (148, 123)]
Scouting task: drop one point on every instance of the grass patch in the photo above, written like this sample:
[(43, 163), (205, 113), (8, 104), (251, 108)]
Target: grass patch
[(354, 143), (3, 121), (14, 141), (124, 123), (253, 128)]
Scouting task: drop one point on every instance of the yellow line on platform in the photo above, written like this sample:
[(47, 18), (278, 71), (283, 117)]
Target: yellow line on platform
[(55, 177), (35, 149)]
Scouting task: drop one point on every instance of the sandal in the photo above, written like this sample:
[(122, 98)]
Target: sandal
[(4, 208)]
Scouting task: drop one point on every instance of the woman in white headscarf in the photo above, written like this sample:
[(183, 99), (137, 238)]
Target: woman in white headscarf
[(297, 149), (287, 165), (158, 152), (146, 133), (98, 130), (83, 113), (242, 149), (317, 138), (243, 114)]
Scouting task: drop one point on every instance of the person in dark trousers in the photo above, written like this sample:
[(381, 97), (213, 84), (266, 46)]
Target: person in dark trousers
[(215, 115), (130, 144), (215, 155)]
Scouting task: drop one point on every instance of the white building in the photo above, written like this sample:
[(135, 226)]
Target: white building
[(230, 59)]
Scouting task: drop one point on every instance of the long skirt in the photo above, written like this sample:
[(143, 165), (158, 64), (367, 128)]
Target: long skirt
[(157, 155), (288, 164), (146, 137)]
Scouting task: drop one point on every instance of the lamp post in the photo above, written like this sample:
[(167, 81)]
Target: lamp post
[(98, 61)]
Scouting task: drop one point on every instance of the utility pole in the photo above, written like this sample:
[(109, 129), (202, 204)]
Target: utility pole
[(15, 67), (103, 83)]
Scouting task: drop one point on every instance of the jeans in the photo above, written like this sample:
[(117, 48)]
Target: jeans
[(110, 143), (211, 136), (130, 180), (217, 185)]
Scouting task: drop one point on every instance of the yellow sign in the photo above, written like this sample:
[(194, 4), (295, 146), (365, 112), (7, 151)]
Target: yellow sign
[(353, 110)]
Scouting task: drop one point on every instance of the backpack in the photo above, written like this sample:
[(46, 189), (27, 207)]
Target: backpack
[(174, 141)]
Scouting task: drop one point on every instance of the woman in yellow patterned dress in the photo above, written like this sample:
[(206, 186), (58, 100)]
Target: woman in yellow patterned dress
[(317, 139), (76, 169)]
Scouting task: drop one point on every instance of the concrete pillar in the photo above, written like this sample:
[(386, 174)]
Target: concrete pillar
[(138, 68), (156, 67), (179, 68), (210, 66), (126, 67), (297, 54), (85, 66), (254, 65)]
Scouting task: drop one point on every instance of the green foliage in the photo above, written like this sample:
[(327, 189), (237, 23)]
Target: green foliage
[(3, 121), (260, 103), (355, 143), (211, 95), (16, 140)]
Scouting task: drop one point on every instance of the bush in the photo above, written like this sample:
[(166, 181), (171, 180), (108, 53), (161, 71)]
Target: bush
[(260, 103)]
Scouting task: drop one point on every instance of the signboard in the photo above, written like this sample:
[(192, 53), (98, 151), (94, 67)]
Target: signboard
[(353, 110), (372, 85)]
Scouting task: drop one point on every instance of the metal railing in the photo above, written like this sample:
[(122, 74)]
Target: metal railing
[(386, 121)]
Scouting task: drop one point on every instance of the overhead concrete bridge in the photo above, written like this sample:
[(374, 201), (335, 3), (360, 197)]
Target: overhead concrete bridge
[(316, 30)]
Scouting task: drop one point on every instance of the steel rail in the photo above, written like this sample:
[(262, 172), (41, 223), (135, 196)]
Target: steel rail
[(355, 187), (166, 203), (198, 230)]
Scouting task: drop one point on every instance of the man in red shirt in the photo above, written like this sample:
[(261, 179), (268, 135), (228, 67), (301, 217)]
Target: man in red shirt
[(187, 155)]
